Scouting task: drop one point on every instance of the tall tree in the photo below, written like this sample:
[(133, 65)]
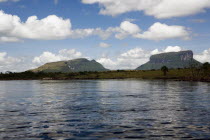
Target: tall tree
[(164, 69)]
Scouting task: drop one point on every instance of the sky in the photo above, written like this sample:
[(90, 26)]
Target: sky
[(119, 34)]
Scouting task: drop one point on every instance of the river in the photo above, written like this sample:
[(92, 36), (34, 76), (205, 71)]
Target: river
[(104, 109)]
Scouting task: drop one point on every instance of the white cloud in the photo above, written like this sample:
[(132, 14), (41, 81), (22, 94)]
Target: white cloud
[(55, 2), (156, 8), (9, 39), (173, 49), (127, 60), (204, 56), (107, 62), (62, 55), (49, 28), (155, 51), (104, 45), (12, 29), (4, 59), (178, 8), (167, 49), (8, 63), (135, 53), (8, 0), (159, 31), (198, 20), (133, 58), (127, 28), (103, 34), (130, 19)]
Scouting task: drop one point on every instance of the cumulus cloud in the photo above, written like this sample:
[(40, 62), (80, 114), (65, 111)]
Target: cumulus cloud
[(52, 27), (204, 56), (104, 45), (127, 28), (107, 62), (62, 55), (127, 60), (133, 58), (8, 63), (12, 29), (159, 31), (156, 8), (4, 59)]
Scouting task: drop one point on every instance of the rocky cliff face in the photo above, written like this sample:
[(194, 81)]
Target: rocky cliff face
[(181, 59), (172, 56)]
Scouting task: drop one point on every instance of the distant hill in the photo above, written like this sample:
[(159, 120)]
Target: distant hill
[(76, 65), (182, 59)]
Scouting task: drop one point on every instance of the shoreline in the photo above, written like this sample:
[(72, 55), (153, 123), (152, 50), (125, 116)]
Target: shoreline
[(173, 74), (63, 79)]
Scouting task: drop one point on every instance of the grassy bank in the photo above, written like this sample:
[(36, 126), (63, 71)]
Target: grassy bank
[(178, 74)]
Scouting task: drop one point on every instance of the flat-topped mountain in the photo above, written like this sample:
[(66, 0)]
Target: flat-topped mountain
[(182, 59), (76, 65)]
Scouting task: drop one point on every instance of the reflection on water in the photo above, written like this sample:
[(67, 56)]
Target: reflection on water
[(106, 109)]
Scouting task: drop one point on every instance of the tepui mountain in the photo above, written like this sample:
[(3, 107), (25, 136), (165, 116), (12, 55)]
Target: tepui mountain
[(172, 60), (76, 65)]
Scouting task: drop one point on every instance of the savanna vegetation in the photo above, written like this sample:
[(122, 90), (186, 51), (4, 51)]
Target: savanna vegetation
[(201, 73)]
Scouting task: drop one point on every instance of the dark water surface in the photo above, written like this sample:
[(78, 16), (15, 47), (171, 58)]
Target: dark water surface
[(104, 109)]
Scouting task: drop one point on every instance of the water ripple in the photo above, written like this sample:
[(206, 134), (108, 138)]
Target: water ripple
[(106, 109)]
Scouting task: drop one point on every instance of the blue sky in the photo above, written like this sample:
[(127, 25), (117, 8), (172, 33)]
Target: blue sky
[(134, 31)]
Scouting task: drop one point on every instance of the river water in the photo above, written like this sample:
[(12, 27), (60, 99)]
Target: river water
[(104, 109)]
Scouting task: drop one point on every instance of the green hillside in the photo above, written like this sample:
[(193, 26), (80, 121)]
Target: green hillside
[(76, 65)]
